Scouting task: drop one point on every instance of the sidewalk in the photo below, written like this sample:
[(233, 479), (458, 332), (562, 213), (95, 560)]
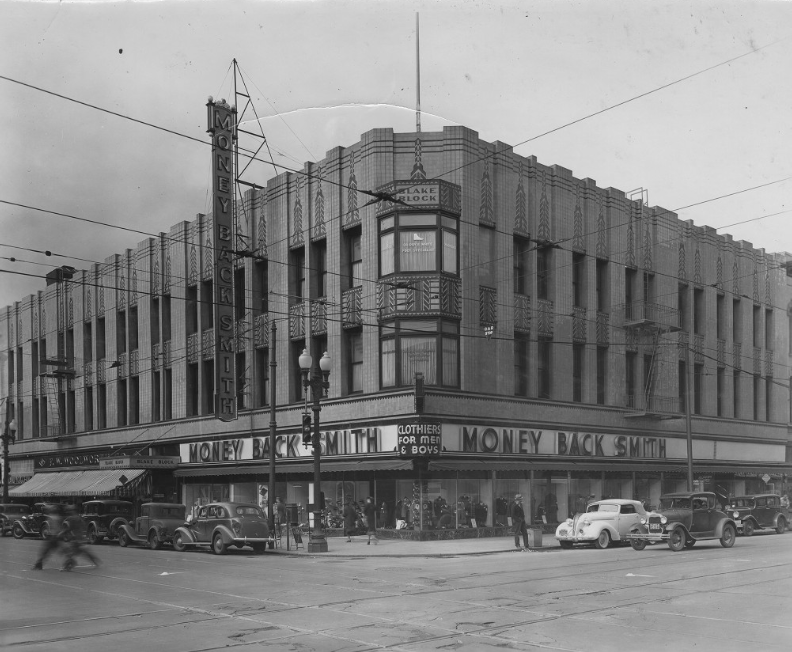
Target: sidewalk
[(338, 547)]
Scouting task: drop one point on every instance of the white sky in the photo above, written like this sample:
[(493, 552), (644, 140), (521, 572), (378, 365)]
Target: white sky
[(325, 72)]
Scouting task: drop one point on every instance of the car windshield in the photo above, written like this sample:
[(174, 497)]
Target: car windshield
[(742, 502), (603, 508), (668, 502), (249, 511), (170, 512), (16, 509)]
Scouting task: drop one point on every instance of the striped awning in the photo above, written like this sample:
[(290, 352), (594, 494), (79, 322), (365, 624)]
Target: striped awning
[(92, 483)]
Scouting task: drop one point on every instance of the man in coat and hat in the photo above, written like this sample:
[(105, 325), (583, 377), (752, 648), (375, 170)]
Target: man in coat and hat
[(518, 520)]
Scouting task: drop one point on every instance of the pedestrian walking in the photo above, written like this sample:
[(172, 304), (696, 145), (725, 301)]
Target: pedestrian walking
[(54, 541), (370, 512), (74, 535), (518, 520), (350, 520)]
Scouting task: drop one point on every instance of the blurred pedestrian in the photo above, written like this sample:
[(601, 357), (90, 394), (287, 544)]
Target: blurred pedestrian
[(370, 512), (518, 521), (350, 521), (74, 536), (54, 540)]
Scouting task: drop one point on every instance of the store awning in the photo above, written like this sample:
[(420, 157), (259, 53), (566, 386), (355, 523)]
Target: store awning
[(344, 466), (78, 483)]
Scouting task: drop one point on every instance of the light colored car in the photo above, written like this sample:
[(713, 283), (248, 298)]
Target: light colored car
[(603, 523)]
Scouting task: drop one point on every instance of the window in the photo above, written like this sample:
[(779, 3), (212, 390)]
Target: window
[(134, 400), (602, 366), (698, 379), (578, 352), (544, 373), (297, 275), (603, 303), (768, 329), (630, 364), (319, 266), (418, 242), (736, 394), (192, 390), (698, 312), (239, 293), (736, 321), (721, 390), (242, 386), (413, 346), (261, 385), (720, 317), (260, 288), (543, 263), (579, 280), (629, 286), (521, 363), (520, 265), (207, 390), (87, 408), (101, 408), (355, 270), (757, 391), (166, 318), (156, 403), (133, 329), (87, 346), (648, 377), (121, 396), (191, 317), (121, 326), (768, 383), (757, 326), (684, 307), (648, 287), (207, 305), (355, 353)]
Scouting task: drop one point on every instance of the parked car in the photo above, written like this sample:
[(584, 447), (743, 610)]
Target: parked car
[(682, 520), (103, 518), (604, 522), (34, 524), (155, 525), (10, 512), (220, 525), (758, 512)]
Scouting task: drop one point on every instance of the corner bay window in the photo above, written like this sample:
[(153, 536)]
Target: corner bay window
[(418, 242), (428, 347)]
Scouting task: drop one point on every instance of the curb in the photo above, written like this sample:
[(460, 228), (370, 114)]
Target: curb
[(438, 555)]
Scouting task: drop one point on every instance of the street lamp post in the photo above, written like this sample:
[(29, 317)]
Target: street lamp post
[(9, 435), (317, 381)]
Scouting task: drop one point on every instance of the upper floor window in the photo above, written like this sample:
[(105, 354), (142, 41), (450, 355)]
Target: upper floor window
[(520, 265), (430, 347), (418, 242)]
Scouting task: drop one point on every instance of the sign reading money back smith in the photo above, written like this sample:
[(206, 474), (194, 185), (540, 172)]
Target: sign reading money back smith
[(222, 118)]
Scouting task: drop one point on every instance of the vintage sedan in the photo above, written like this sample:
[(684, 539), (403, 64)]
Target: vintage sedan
[(758, 512), (220, 525), (103, 518), (155, 525), (35, 524), (604, 522), (682, 520), (10, 512)]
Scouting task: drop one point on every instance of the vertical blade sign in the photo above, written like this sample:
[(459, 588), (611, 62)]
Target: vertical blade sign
[(222, 118)]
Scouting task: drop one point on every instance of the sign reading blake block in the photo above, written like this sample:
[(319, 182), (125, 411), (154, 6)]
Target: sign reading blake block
[(222, 119)]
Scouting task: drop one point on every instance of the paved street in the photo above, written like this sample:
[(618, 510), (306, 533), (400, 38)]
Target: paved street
[(454, 595)]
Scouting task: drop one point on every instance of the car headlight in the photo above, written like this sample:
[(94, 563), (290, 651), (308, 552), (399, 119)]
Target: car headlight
[(663, 520), (585, 522), (643, 521), (569, 521), (736, 514)]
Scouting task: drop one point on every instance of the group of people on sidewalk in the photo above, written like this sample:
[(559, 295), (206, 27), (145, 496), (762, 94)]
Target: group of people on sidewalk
[(351, 517), (68, 534)]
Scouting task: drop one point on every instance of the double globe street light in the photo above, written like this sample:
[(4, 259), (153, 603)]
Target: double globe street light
[(317, 381)]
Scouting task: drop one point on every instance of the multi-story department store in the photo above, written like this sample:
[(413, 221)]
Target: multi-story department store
[(554, 323)]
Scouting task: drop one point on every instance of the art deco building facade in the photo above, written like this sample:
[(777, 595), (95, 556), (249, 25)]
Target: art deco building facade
[(555, 328)]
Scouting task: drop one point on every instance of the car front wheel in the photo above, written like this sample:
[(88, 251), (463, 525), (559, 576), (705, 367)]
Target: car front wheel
[(93, 537), (602, 541), (153, 541), (45, 531), (123, 539), (676, 541), (748, 529), (728, 536), (781, 526), (218, 545), (19, 533), (178, 542)]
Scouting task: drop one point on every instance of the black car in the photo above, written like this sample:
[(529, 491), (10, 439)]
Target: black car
[(10, 512), (682, 520), (104, 517), (758, 512), (35, 524)]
